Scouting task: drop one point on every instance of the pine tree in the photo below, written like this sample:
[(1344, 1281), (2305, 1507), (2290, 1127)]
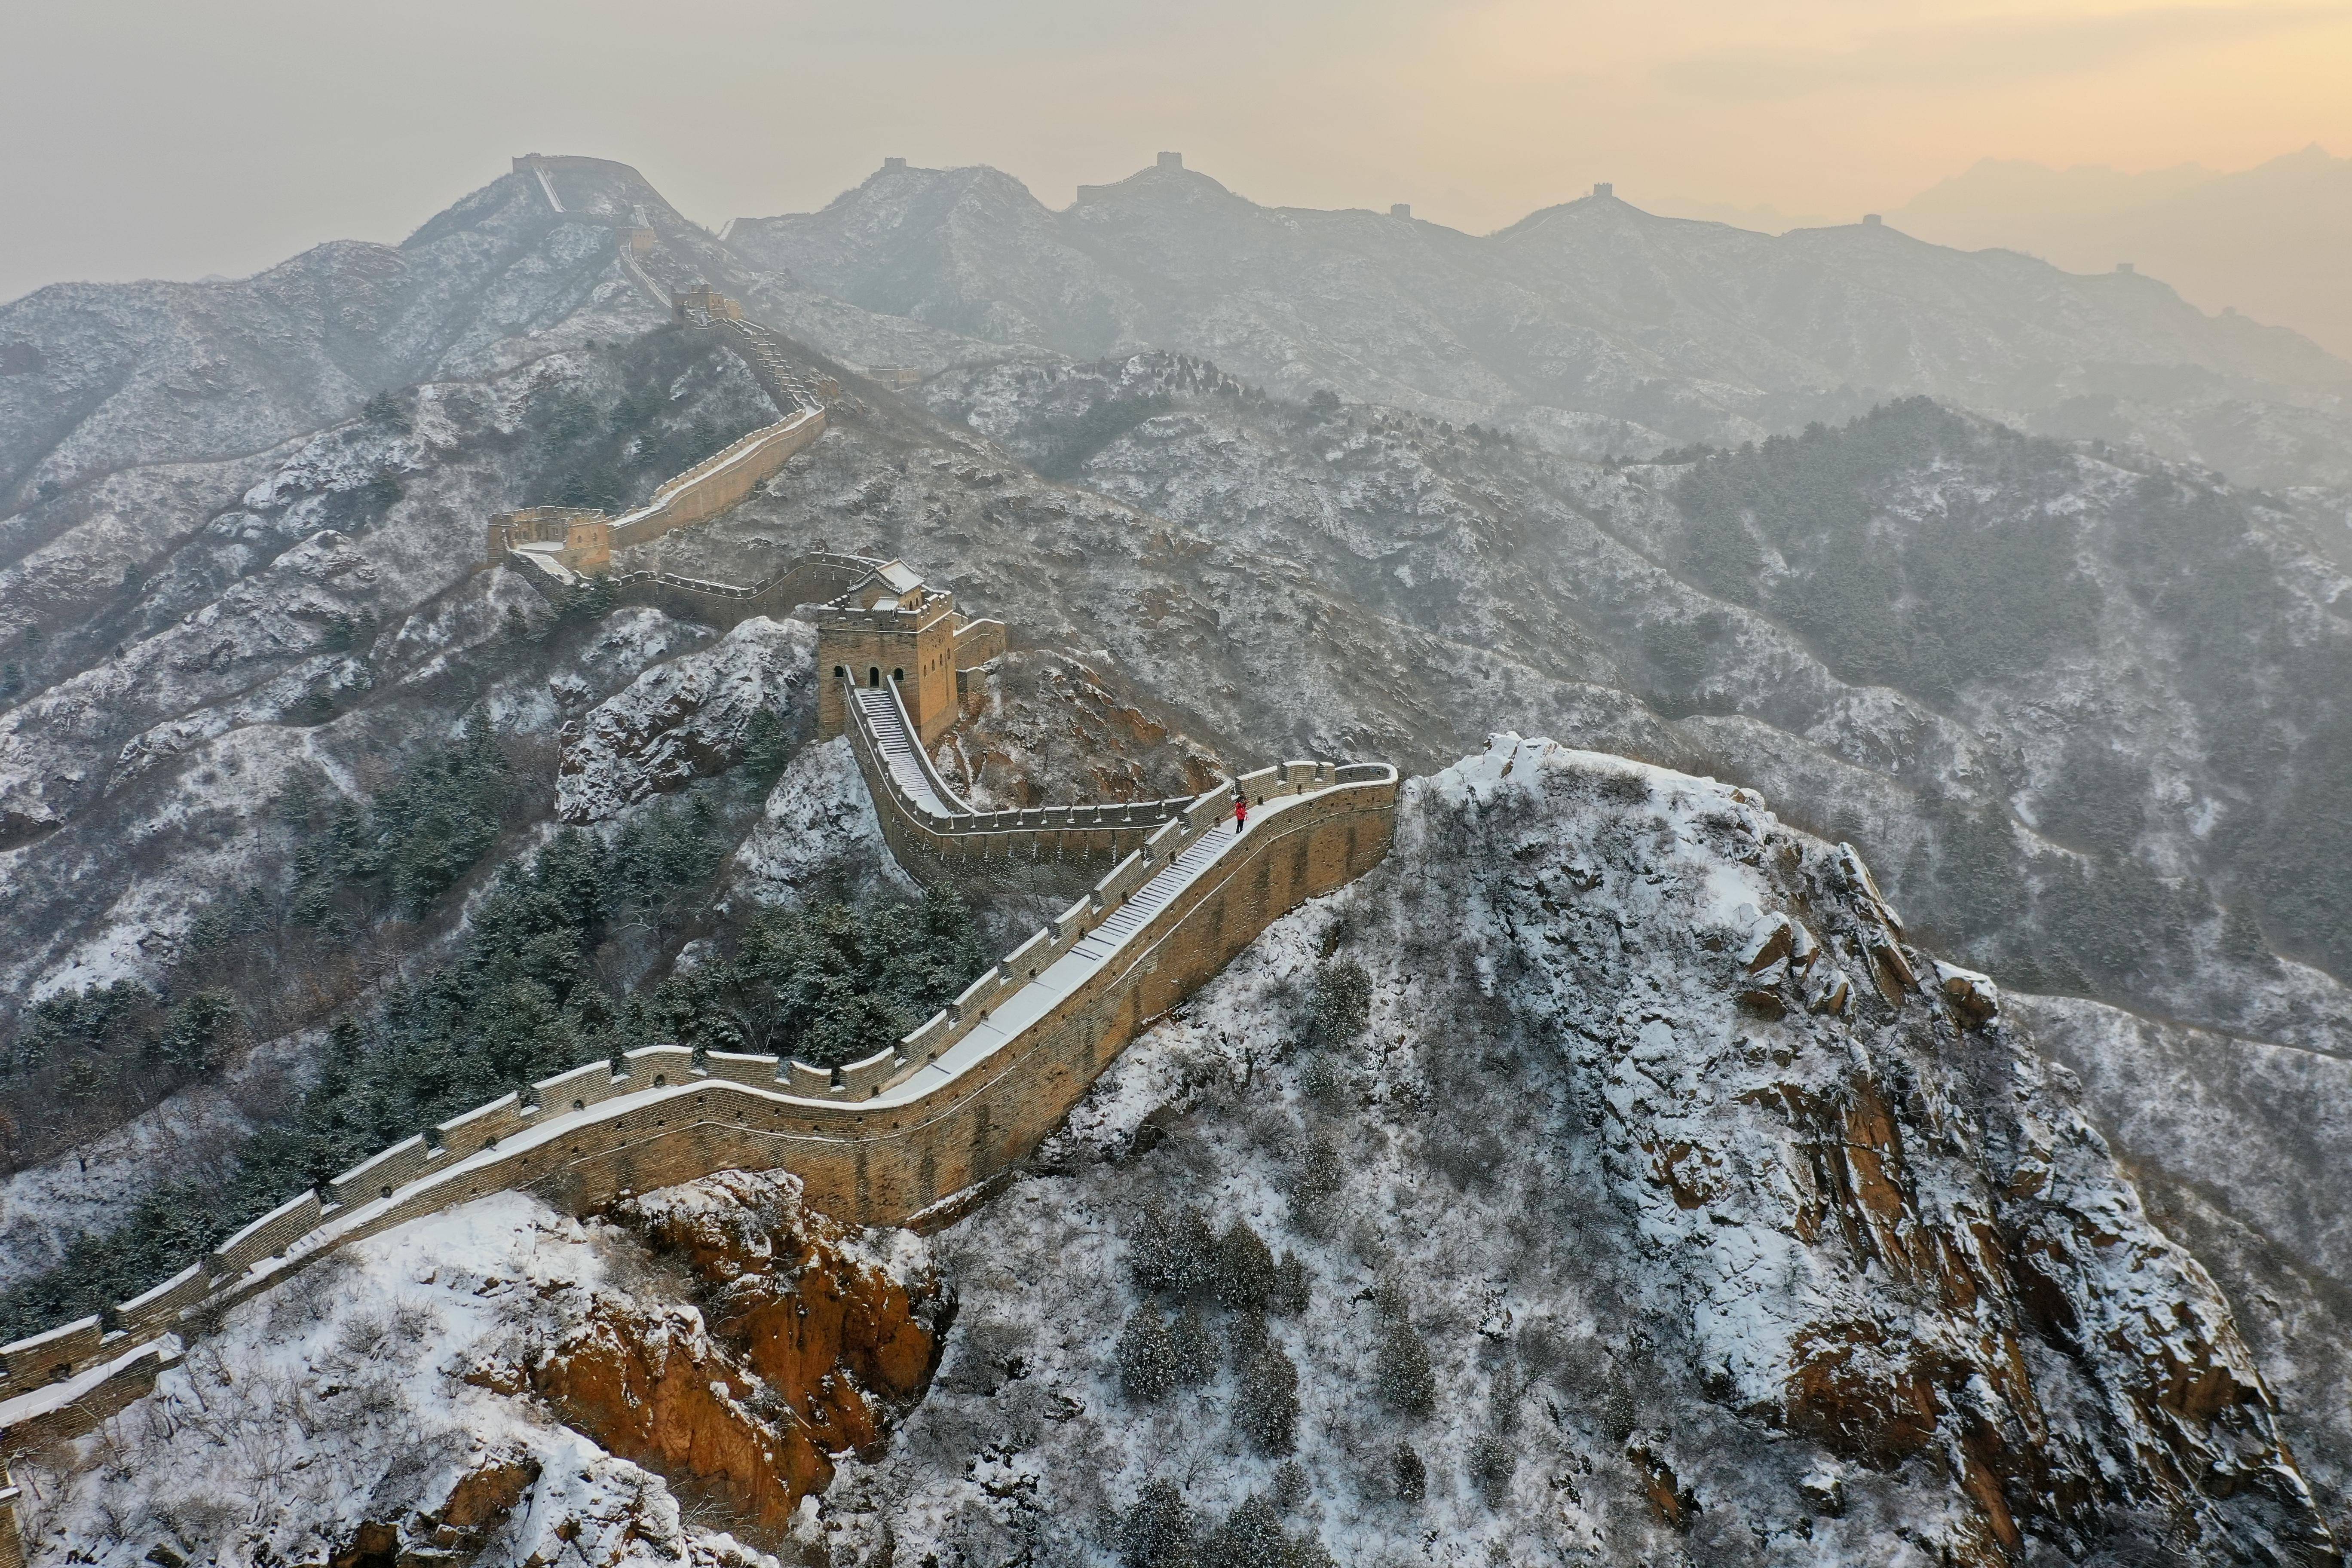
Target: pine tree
[(1194, 1353), (1243, 1270), (1147, 1357), (767, 747), (1290, 1487), (1408, 1475), (1251, 1537), (1266, 1404), (1491, 1464), (1291, 1294), (1313, 1187), (1171, 1254), (1158, 1532), (1246, 1336), (1400, 1370)]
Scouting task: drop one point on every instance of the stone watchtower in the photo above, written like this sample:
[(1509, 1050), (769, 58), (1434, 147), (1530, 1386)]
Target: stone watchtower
[(892, 626)]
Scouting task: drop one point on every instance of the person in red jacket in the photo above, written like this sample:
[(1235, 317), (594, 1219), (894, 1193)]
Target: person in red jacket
[(1241, 812)]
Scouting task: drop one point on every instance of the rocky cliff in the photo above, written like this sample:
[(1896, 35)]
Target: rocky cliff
[(1609, 1176), (1652, 1199), (502, 1384)]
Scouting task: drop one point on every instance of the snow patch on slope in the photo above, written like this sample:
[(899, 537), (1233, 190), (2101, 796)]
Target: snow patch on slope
[(364, 1389), (680, 721)]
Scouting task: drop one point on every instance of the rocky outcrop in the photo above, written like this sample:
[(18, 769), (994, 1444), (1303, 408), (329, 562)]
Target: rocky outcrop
[(1042, 728), (803, 1346), (1712, 1255), (817, 836), (499, 1384), (681, 721)]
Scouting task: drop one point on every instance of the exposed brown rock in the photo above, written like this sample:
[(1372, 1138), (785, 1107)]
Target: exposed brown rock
[(374, 1545), (486, 1494), (653, 1387), (1674, 1504), (800, 1349)]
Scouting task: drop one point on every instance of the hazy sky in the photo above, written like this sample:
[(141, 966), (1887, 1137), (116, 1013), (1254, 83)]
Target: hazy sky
[(145, 138)]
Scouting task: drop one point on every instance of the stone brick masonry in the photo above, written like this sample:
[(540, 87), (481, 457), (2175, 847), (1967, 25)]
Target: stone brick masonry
[(886, 1140)]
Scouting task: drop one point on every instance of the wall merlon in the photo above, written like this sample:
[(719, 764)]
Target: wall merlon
[(655, 1067), (579, 1088), (159, 1307), (928, 1038), (51, 1354), (740, 1068), (862, 1079), (371, 1179), (270, 1235), (483, 1126)]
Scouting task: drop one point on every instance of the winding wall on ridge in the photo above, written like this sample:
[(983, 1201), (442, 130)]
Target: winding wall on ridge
[(888, 1140)]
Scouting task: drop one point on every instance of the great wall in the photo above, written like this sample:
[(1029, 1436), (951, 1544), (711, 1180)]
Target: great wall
[(915, 1132)]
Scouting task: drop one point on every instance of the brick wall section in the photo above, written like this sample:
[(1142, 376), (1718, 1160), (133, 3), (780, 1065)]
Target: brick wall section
[(925, 845), (720, 481), (872, 1164), (811, 580)]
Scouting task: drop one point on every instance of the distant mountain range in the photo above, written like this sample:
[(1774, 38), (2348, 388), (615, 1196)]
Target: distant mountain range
[(2271, 241), (1592, 325)]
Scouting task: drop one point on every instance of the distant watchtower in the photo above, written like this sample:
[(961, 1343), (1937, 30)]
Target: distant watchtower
[(1604, 189), (1172, 159), (704, 303), (1400, 209)]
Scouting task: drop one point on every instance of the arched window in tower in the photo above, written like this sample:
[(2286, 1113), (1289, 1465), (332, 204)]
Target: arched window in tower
[(840, 670), (898, 675), (873, 675)]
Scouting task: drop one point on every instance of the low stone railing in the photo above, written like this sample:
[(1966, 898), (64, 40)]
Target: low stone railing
[(883, 1140), (923, 838)]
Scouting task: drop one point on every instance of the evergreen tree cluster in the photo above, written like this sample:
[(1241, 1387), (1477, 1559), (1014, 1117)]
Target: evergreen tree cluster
[(1163, 1531), (1176, 1259), (829, 983), (521, 997), (355, 862), (1338, 1004), (128, 1022), (1976, 598)]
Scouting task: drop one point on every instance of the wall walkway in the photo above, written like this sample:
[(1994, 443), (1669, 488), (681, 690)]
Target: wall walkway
[(887, 1139)]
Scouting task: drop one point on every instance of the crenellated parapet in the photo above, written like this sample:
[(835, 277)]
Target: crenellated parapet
[(903, 1133)]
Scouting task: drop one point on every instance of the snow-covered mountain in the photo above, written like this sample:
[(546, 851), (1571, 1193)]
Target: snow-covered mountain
[(1603, 1179), (1592, 326), (2079, 705)]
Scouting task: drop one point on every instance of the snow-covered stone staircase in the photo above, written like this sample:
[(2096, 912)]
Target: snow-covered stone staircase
[(879, 707)]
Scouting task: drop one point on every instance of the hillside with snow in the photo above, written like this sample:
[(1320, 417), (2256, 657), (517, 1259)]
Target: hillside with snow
[(1604, 1178), (1719, 1238)]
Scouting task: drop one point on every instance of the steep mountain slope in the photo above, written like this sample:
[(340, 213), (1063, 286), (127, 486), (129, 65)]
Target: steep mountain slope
[(1642, 1261), (1604, 1179), (124, 374), (2088, 712), (2082, 708), (1594, 325)]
